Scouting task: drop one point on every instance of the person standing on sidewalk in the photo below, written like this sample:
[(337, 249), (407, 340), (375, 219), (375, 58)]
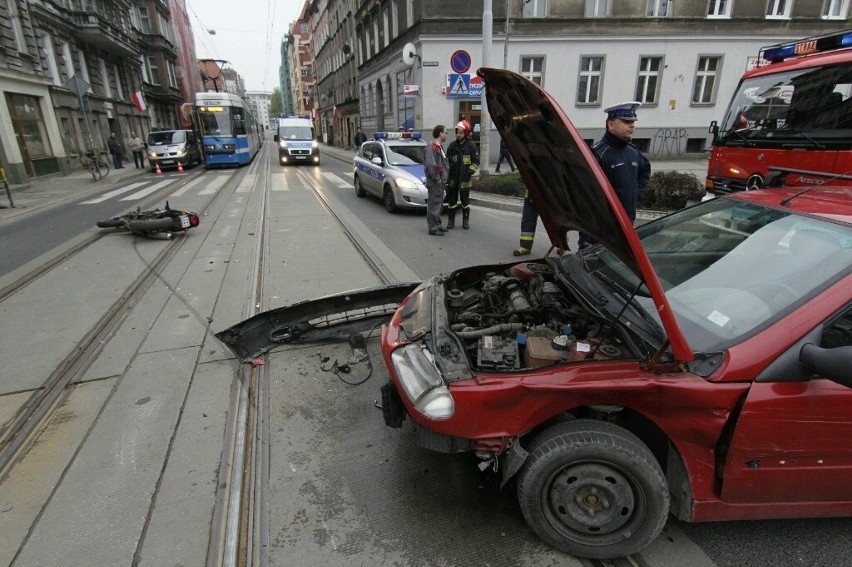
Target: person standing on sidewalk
[(437, 169), (137, 147), (627, 170), (504, 155), (464, 161), (115, 150), (360, 138)]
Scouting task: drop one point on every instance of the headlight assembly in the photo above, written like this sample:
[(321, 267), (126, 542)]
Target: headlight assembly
[(404, 183), (421, 383)]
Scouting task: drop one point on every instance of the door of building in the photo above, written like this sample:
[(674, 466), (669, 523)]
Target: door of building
[(471, 110)]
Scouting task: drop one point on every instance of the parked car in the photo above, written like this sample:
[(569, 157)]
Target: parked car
[(168, 148), (391, 166), (699, 365)]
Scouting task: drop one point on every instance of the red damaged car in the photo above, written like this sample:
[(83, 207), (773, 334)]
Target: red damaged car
[(699, 365)]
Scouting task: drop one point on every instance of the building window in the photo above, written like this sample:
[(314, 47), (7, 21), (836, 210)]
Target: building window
[(648, 81), (589, 85), (704, 90), (17, 30), (172, 76), (84, 68), (153, 70), (597, 8), (118, 86), (531, 68), (835, 9), (778, 9), (658, 8), (719, 8), (28, 125), (50, 52), (535, 8), (105, 78), (144, 20)]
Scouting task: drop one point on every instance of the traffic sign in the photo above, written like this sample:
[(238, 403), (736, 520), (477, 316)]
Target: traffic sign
[(77, 85), (460, 61)]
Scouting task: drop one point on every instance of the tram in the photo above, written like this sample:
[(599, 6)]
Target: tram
[(230, 134)]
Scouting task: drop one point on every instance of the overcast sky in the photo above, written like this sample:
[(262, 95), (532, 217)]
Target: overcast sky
[(248, 35)]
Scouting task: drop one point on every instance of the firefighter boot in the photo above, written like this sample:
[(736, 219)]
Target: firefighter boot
[(465, 219), (451, 218)]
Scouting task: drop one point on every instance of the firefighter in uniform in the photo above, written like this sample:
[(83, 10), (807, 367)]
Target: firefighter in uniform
[(464, 161)]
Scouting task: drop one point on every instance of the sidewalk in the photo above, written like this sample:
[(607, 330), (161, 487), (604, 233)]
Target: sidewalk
[(40, 192)]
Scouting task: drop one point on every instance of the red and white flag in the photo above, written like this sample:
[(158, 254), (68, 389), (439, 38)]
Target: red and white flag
[(139, 101), (335, 113)]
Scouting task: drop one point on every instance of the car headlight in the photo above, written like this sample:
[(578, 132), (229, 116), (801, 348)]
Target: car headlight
[(421, 383), (282, 143), (315, 144), (405, 183), (152, 154)]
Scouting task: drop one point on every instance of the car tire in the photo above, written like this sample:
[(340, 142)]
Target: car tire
[(387, 197), (359, 189), (593, 489)]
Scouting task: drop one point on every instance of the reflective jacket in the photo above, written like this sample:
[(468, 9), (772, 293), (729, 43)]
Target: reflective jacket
[(464, 161)]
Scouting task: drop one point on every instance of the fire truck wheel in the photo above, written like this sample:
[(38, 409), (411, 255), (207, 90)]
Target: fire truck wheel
[(593, 489)]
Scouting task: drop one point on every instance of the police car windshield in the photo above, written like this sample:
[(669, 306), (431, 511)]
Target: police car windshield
[(297, 132), (405, 155)]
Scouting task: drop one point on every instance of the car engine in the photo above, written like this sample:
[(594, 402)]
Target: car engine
[(523, 318)]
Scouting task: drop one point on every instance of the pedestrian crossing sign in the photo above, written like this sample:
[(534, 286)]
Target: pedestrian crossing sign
[(463, 85)]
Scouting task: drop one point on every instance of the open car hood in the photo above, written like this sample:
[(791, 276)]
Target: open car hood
[(566, 183)]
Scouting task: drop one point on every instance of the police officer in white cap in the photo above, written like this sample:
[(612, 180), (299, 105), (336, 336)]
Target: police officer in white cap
[(626, 168)]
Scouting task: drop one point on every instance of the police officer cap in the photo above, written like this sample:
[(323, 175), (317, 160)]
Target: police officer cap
[(623, 110)]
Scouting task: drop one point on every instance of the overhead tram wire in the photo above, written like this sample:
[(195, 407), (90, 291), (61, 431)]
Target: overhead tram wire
[(205, 33)]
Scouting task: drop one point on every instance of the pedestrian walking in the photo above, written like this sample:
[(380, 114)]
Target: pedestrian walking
[(115, 150), (529, 222), (137, 147), (627, 170), (437, 170), (464, 161), (360, 138), (504, 155)]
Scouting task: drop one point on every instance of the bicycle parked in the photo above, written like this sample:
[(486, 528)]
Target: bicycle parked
[(96, 164)]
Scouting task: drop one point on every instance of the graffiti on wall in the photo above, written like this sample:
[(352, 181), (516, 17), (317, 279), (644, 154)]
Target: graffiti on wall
[(669, 142)]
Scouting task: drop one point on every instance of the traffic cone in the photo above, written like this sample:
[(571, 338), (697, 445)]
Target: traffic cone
[(157, 170), (180, 167)]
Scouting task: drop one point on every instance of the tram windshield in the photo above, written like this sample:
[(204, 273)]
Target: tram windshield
[(215, 121)]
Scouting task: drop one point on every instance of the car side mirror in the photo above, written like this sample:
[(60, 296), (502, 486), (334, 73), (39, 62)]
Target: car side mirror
[(714, 128), (834, 364), (275, 138), (376, 160)]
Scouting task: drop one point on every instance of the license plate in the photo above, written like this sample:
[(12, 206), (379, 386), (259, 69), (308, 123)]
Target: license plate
[(184, 221), (168, 161)]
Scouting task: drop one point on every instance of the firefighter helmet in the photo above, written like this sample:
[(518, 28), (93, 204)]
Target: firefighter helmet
[(464, 126)]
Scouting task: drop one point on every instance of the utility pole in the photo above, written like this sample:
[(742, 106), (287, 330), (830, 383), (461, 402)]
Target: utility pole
[(484, 117)]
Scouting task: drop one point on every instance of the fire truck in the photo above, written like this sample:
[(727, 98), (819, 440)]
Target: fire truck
[(793, 111)]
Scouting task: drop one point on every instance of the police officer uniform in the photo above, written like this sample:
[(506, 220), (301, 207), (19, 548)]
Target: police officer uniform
[(627, 170)]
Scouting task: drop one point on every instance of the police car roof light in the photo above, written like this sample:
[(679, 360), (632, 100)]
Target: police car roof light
[(396, 136), (807, 46)]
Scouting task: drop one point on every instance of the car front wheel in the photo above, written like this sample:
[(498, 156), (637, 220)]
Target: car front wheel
[(593, 489), (387, 197), (359, 190)]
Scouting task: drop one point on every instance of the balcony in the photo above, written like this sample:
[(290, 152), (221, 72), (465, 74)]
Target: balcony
[(156, 42), (99, 31)]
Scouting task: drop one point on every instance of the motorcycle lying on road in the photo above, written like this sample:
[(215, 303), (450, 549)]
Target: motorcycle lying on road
[(161, 223)]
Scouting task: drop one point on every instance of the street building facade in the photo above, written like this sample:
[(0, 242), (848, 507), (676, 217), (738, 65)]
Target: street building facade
[(416, 61)]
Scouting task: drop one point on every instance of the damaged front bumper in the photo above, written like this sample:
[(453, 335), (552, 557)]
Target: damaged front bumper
[(329, 318)]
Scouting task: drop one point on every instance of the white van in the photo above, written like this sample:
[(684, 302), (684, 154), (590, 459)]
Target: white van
[(297, 141)]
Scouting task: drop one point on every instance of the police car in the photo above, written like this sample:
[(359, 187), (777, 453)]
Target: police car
[(391, 166)]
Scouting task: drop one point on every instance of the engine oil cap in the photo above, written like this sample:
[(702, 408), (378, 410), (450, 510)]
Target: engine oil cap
[(559, 342)]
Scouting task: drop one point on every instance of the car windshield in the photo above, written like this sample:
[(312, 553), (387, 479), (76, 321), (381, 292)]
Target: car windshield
[(405, 155), (161, 138), (730, 268), (297, 133)]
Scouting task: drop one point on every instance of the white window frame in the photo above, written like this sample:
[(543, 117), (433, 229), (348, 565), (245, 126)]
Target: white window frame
[(528, 68), (118, 86), (659, 9), (643, 78), (67, 61), (588, 73), (597, 8), (144, 18), (835, 10), (534, 9), (719, 8), (153, 70), (703, 75), (17, 29), (84, 68), (170, 68), (50, 52), (778, 9), (105, 77)]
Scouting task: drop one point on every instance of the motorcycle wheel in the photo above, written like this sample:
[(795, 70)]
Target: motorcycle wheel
[(151, 225), (110, 223)]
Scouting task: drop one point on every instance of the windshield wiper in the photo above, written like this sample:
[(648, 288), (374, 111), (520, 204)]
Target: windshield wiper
[(739, 134), (806, 137)]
